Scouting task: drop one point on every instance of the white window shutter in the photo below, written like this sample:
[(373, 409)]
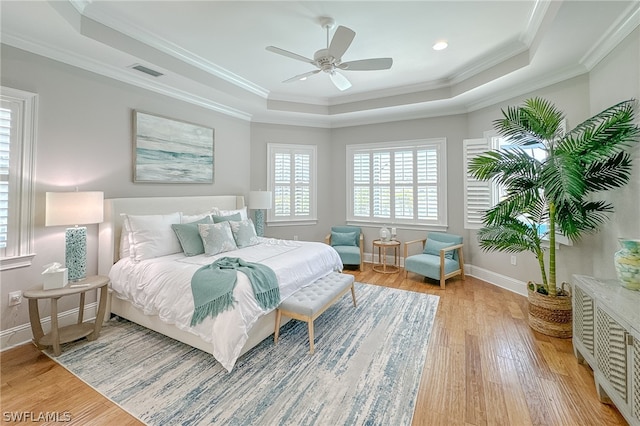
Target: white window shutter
[(478, 194), (18, 124), (292, 178), (5, 148), (397, 182)]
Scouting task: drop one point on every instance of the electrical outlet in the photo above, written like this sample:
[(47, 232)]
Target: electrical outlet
[(295, 238), (15, 298), (513, 260)]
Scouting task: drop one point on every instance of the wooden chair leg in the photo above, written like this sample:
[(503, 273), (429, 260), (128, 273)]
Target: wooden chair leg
[(442, 278)]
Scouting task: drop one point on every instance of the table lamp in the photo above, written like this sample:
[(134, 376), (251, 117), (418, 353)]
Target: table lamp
[(74, 208), (259, 201)]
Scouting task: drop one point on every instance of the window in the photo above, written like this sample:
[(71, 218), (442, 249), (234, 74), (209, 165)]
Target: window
[(17, 146), (480, 196), (398, 182), (292, 180)]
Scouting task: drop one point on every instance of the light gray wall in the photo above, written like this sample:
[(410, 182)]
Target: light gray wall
[(263, 134), (615, 79), (450, 127), (572, 98), (85, 140)]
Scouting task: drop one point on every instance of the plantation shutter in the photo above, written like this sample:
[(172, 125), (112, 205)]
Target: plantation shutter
[(427, 177), (5, 148), (302, 182), (478, 194), (282, 188), (361, 185), (382, 184), (292, 181), (404, 182), (397, 183)]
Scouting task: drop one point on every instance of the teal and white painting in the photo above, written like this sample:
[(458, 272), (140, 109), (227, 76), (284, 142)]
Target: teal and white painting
[(171, 151)]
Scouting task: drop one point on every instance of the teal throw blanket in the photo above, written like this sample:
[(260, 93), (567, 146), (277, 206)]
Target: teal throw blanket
[(212, 286)]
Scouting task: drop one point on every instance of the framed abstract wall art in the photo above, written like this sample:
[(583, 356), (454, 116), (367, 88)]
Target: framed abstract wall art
[(171, 151)]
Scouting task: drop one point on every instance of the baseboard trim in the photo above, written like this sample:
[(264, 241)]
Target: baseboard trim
[(21, 334), (502, 281)]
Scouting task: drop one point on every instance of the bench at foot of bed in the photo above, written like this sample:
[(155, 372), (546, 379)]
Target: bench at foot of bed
[(310, 302)]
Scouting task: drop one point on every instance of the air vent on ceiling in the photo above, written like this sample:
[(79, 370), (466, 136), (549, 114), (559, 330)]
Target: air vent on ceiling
[(146, 70)]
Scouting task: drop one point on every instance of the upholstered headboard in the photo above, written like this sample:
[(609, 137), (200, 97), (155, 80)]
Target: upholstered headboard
[(111, 228)]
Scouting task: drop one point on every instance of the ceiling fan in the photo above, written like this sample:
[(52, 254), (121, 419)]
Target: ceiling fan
[(329, 60)]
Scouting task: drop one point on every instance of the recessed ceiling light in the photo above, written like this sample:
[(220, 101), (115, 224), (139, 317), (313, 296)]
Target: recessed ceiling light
[(440, 45)]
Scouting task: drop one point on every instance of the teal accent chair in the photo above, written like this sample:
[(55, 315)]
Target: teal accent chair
[(351, 250), (441, 257)]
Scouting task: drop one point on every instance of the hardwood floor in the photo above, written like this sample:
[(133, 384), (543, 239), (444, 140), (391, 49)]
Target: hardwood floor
[(485, 366)]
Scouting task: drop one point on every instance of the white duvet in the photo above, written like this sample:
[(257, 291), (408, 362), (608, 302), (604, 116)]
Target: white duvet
[(162, 286)]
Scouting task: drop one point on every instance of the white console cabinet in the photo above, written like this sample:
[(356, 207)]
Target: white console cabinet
[(606, 335)]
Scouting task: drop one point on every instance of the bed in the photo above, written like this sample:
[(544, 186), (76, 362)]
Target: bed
[(154, 291)]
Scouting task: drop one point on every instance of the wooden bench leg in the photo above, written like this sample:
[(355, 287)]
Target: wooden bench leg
[(353, 294), (276, 333), (311, 338)]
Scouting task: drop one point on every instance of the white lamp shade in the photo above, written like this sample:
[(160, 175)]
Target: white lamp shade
[(259, 200), (74, 208)]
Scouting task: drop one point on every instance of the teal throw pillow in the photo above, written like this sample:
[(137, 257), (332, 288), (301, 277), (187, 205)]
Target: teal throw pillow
[(433, 247), (343, 238), (244, 233), (218, 219), (217, 238), (189, 236)]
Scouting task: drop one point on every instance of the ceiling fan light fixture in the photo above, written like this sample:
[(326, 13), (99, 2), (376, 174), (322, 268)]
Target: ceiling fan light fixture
[(329, 59), (440, 45)]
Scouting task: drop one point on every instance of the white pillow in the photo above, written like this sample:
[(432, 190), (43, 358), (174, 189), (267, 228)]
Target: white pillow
[(242, 211), (216, 238), (195, 217), (124, 244), (152, 236), (244, 233)]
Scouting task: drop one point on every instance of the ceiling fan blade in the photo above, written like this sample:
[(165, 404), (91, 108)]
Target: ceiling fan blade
[(339, 80), (341, 41), (367, 64), (289, 54), (301, 76)]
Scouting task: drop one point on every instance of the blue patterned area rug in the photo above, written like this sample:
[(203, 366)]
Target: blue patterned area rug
[(365, 371)]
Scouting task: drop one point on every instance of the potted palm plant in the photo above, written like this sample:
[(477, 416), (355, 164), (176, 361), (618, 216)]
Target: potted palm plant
[(554, 193)]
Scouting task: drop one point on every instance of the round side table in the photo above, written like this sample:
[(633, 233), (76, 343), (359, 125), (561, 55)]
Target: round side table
[(382, 266), (58, 335)]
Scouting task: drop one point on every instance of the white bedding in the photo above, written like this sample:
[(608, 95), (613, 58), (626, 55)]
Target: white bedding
[(162, 286)]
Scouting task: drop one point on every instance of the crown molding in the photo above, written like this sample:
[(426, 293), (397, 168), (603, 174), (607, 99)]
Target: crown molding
[(165, 46), (623, 26), (123, 75), (535, 21), (401, 103), (528, 86)]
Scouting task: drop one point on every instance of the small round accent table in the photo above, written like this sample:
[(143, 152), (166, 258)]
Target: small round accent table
[(382, 266), (90, 329)]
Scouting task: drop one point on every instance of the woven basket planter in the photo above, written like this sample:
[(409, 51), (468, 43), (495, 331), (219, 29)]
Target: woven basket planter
[(548, 315)]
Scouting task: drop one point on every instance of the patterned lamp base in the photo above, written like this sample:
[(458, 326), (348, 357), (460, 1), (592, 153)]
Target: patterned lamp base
[(260, 222), (76, 253)]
